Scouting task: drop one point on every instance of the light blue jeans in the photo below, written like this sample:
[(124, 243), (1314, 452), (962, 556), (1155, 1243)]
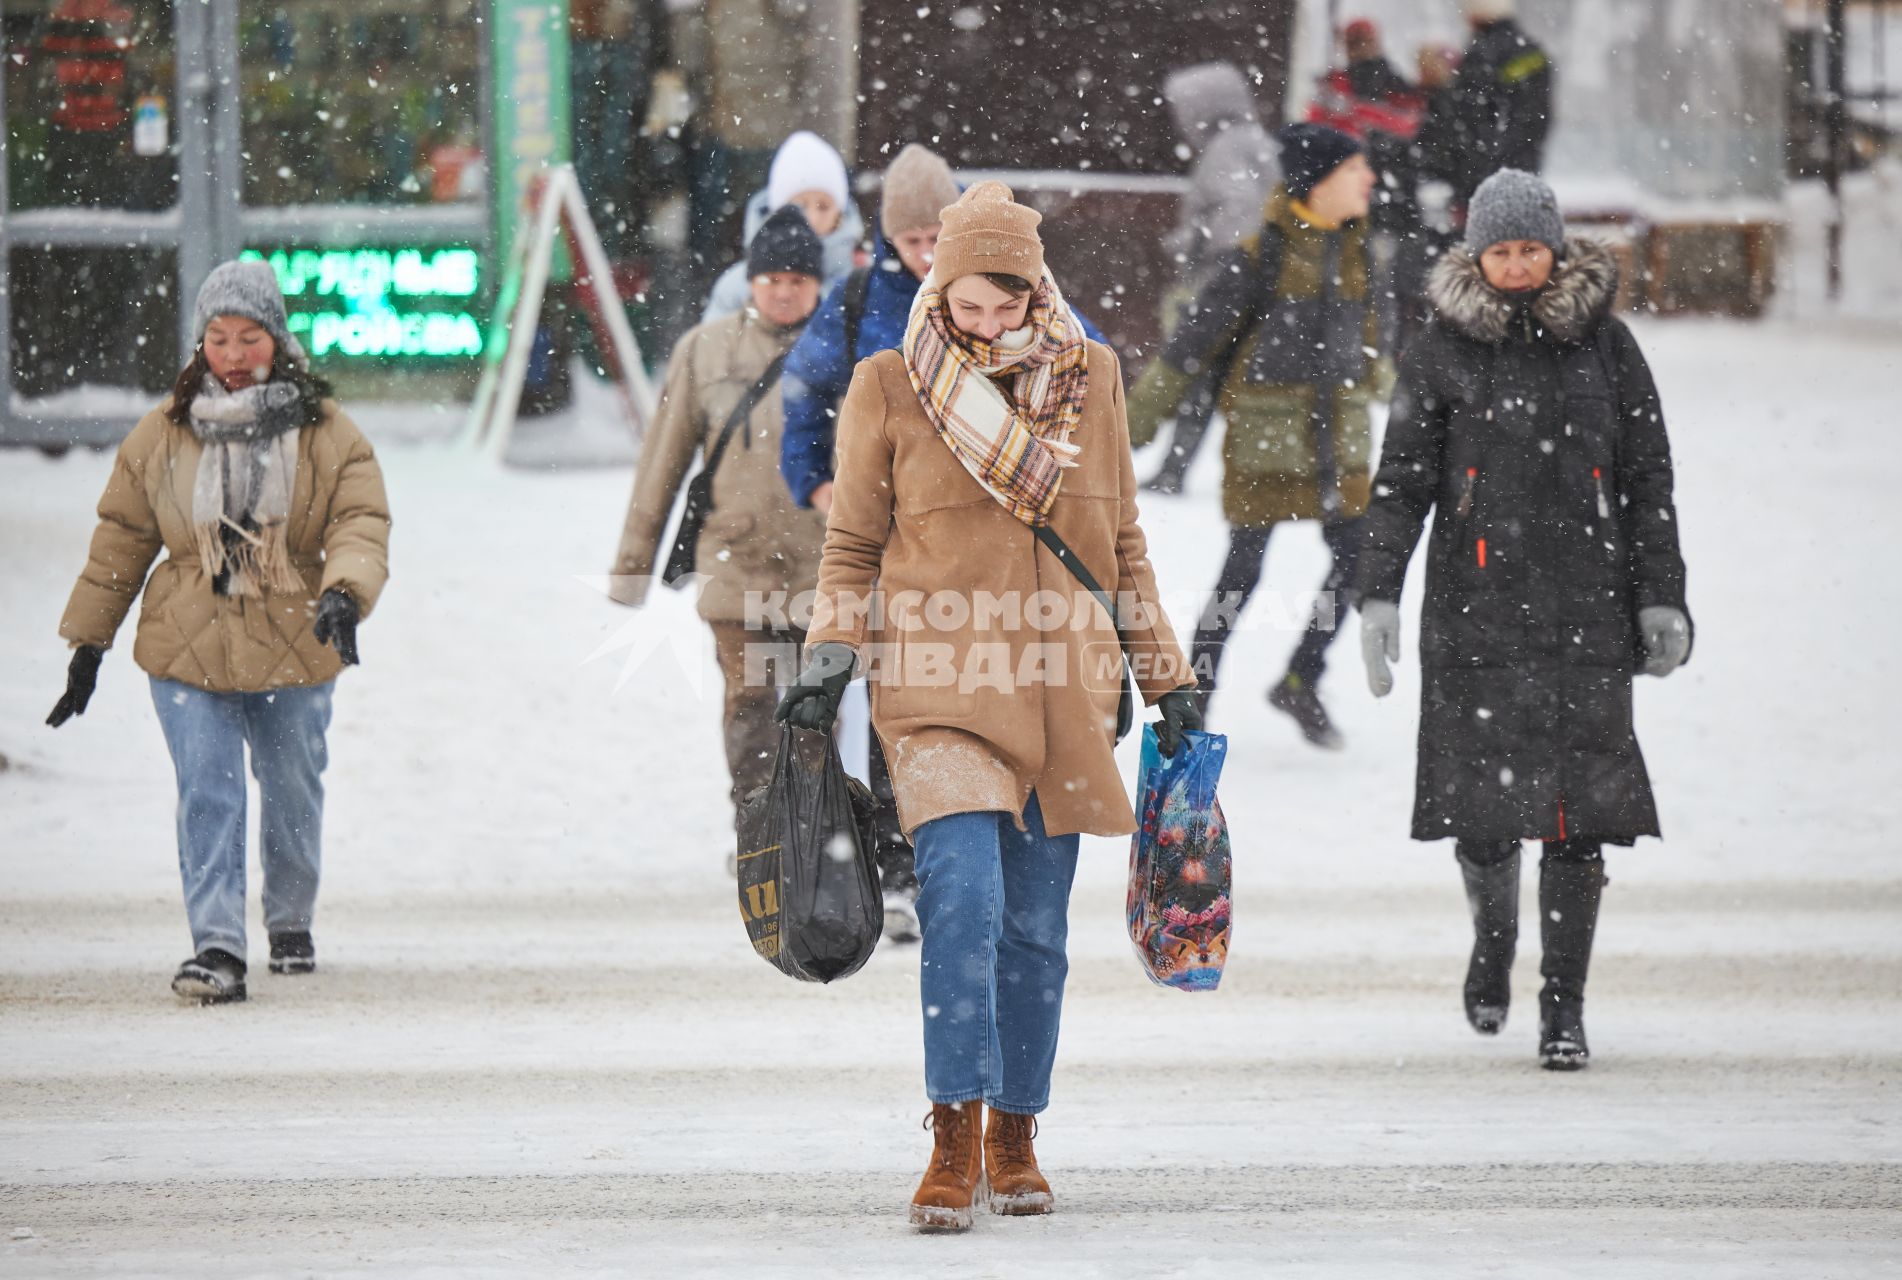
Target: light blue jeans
[(207, 733), (994, 903)]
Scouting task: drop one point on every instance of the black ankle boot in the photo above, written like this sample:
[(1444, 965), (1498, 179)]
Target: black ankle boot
[(1171, 479), (1569, 893), (1492, 892)]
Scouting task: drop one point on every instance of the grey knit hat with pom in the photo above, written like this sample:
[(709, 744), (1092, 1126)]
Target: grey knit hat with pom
[(1514, 205)]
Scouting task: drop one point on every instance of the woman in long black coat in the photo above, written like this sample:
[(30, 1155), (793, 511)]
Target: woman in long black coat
[(1527, 416)]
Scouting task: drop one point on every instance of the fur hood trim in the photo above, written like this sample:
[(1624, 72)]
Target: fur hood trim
[(1568, 308)]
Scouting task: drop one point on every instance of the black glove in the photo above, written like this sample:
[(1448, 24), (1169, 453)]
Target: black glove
[(82, 676), (337, 624), (813, 700), (1181, 714)]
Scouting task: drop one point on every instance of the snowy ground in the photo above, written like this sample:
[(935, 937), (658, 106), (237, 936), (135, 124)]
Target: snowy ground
[(539, 1044)]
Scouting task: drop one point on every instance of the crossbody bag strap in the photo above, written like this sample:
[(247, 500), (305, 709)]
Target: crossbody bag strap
[(744, 410), (1125, 697), (1074, 563)]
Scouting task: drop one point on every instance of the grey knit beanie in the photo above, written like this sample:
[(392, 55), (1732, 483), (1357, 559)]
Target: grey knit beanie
[(248, 289), (1514, 205)]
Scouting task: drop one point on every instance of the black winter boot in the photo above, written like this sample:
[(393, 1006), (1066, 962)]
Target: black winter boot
[(213, 976), (293, 952), (1492, 893), (1170, 480), (1569, 893), (1295, 697)]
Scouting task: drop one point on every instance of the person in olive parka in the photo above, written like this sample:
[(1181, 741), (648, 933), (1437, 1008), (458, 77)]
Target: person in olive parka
[(1288, 323), (1527, 416)]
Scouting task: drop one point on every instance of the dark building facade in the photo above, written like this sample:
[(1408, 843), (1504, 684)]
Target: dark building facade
[(1064, 101)]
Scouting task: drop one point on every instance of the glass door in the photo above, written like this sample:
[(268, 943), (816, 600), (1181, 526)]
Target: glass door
[(343, 141), (360, 139), (105, 100)]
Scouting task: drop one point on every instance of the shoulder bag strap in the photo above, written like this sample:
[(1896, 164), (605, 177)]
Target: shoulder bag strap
[(744, 410)]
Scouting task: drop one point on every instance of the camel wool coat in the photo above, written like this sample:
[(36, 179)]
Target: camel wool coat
[(993, 672)]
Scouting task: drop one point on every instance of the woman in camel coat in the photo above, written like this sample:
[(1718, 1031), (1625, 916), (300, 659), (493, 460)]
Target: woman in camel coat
[(995, 675)]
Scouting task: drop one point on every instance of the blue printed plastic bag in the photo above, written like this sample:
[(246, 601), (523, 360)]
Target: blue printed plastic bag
[(1179, 873)]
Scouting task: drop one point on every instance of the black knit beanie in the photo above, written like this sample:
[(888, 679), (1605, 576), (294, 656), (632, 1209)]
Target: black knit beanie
[(1309, 152), (786, 242)]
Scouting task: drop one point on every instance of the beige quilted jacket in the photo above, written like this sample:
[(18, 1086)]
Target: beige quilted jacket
[(339, 537)]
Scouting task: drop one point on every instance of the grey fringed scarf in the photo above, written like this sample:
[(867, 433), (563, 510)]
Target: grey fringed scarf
[(245, 480)]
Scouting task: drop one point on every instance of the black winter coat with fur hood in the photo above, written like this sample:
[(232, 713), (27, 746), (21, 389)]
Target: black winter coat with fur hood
[(1534, 429)]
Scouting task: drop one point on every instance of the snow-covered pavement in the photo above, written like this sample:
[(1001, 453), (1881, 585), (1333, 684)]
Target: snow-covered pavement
[(538, 1043)]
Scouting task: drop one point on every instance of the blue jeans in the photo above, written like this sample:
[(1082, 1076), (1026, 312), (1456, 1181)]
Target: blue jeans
[(207, 733), (994, 904)]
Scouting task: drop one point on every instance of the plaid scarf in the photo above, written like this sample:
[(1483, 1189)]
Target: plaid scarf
[(1016, 446)]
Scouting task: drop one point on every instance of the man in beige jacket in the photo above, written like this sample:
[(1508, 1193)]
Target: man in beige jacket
[(758, 552)]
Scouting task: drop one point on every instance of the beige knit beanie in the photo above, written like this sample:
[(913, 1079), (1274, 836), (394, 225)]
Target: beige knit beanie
[(918, 186), (987, 230)]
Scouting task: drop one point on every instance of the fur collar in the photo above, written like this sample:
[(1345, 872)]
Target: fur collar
[(1567, 309)]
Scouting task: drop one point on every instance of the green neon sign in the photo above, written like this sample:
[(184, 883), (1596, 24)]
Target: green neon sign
[(380, 303)]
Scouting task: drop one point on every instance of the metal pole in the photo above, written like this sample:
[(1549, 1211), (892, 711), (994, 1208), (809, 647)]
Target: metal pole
[(1881, 41), (196, 247), (1836, 123), (6, 263), (834, 35), (227, 130)]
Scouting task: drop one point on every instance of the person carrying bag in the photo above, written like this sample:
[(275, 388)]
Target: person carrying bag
[(741, 538), (996, 420)]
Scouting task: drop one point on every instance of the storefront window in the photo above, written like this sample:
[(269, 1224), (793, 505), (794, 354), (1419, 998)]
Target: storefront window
[(89, 110), (361, 101), (88, 322)]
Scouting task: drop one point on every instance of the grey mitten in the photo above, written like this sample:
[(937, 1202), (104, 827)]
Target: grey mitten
[(1379, 643), (1666, 634)]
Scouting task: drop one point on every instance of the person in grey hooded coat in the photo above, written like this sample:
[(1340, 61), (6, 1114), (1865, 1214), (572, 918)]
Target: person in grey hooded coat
[(1237, 163)]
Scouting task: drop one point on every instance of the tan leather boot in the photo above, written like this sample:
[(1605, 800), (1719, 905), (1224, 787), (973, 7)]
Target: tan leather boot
[(1017, 1185), (955, 1180)]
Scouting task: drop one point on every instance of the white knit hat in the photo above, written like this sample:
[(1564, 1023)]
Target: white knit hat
[(805, 162)]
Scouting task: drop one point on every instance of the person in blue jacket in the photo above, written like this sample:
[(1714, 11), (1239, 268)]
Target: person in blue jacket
[(863, 314)]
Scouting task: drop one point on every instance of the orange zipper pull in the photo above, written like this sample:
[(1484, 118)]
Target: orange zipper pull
[(1598, 482), (1482, 553)]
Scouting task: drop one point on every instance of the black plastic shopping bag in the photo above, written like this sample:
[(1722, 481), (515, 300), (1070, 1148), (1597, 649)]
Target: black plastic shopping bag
[(808, 865), (1179, 867)]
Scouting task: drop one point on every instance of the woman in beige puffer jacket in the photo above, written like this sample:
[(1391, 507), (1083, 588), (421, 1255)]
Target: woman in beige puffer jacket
[(269, 505)]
